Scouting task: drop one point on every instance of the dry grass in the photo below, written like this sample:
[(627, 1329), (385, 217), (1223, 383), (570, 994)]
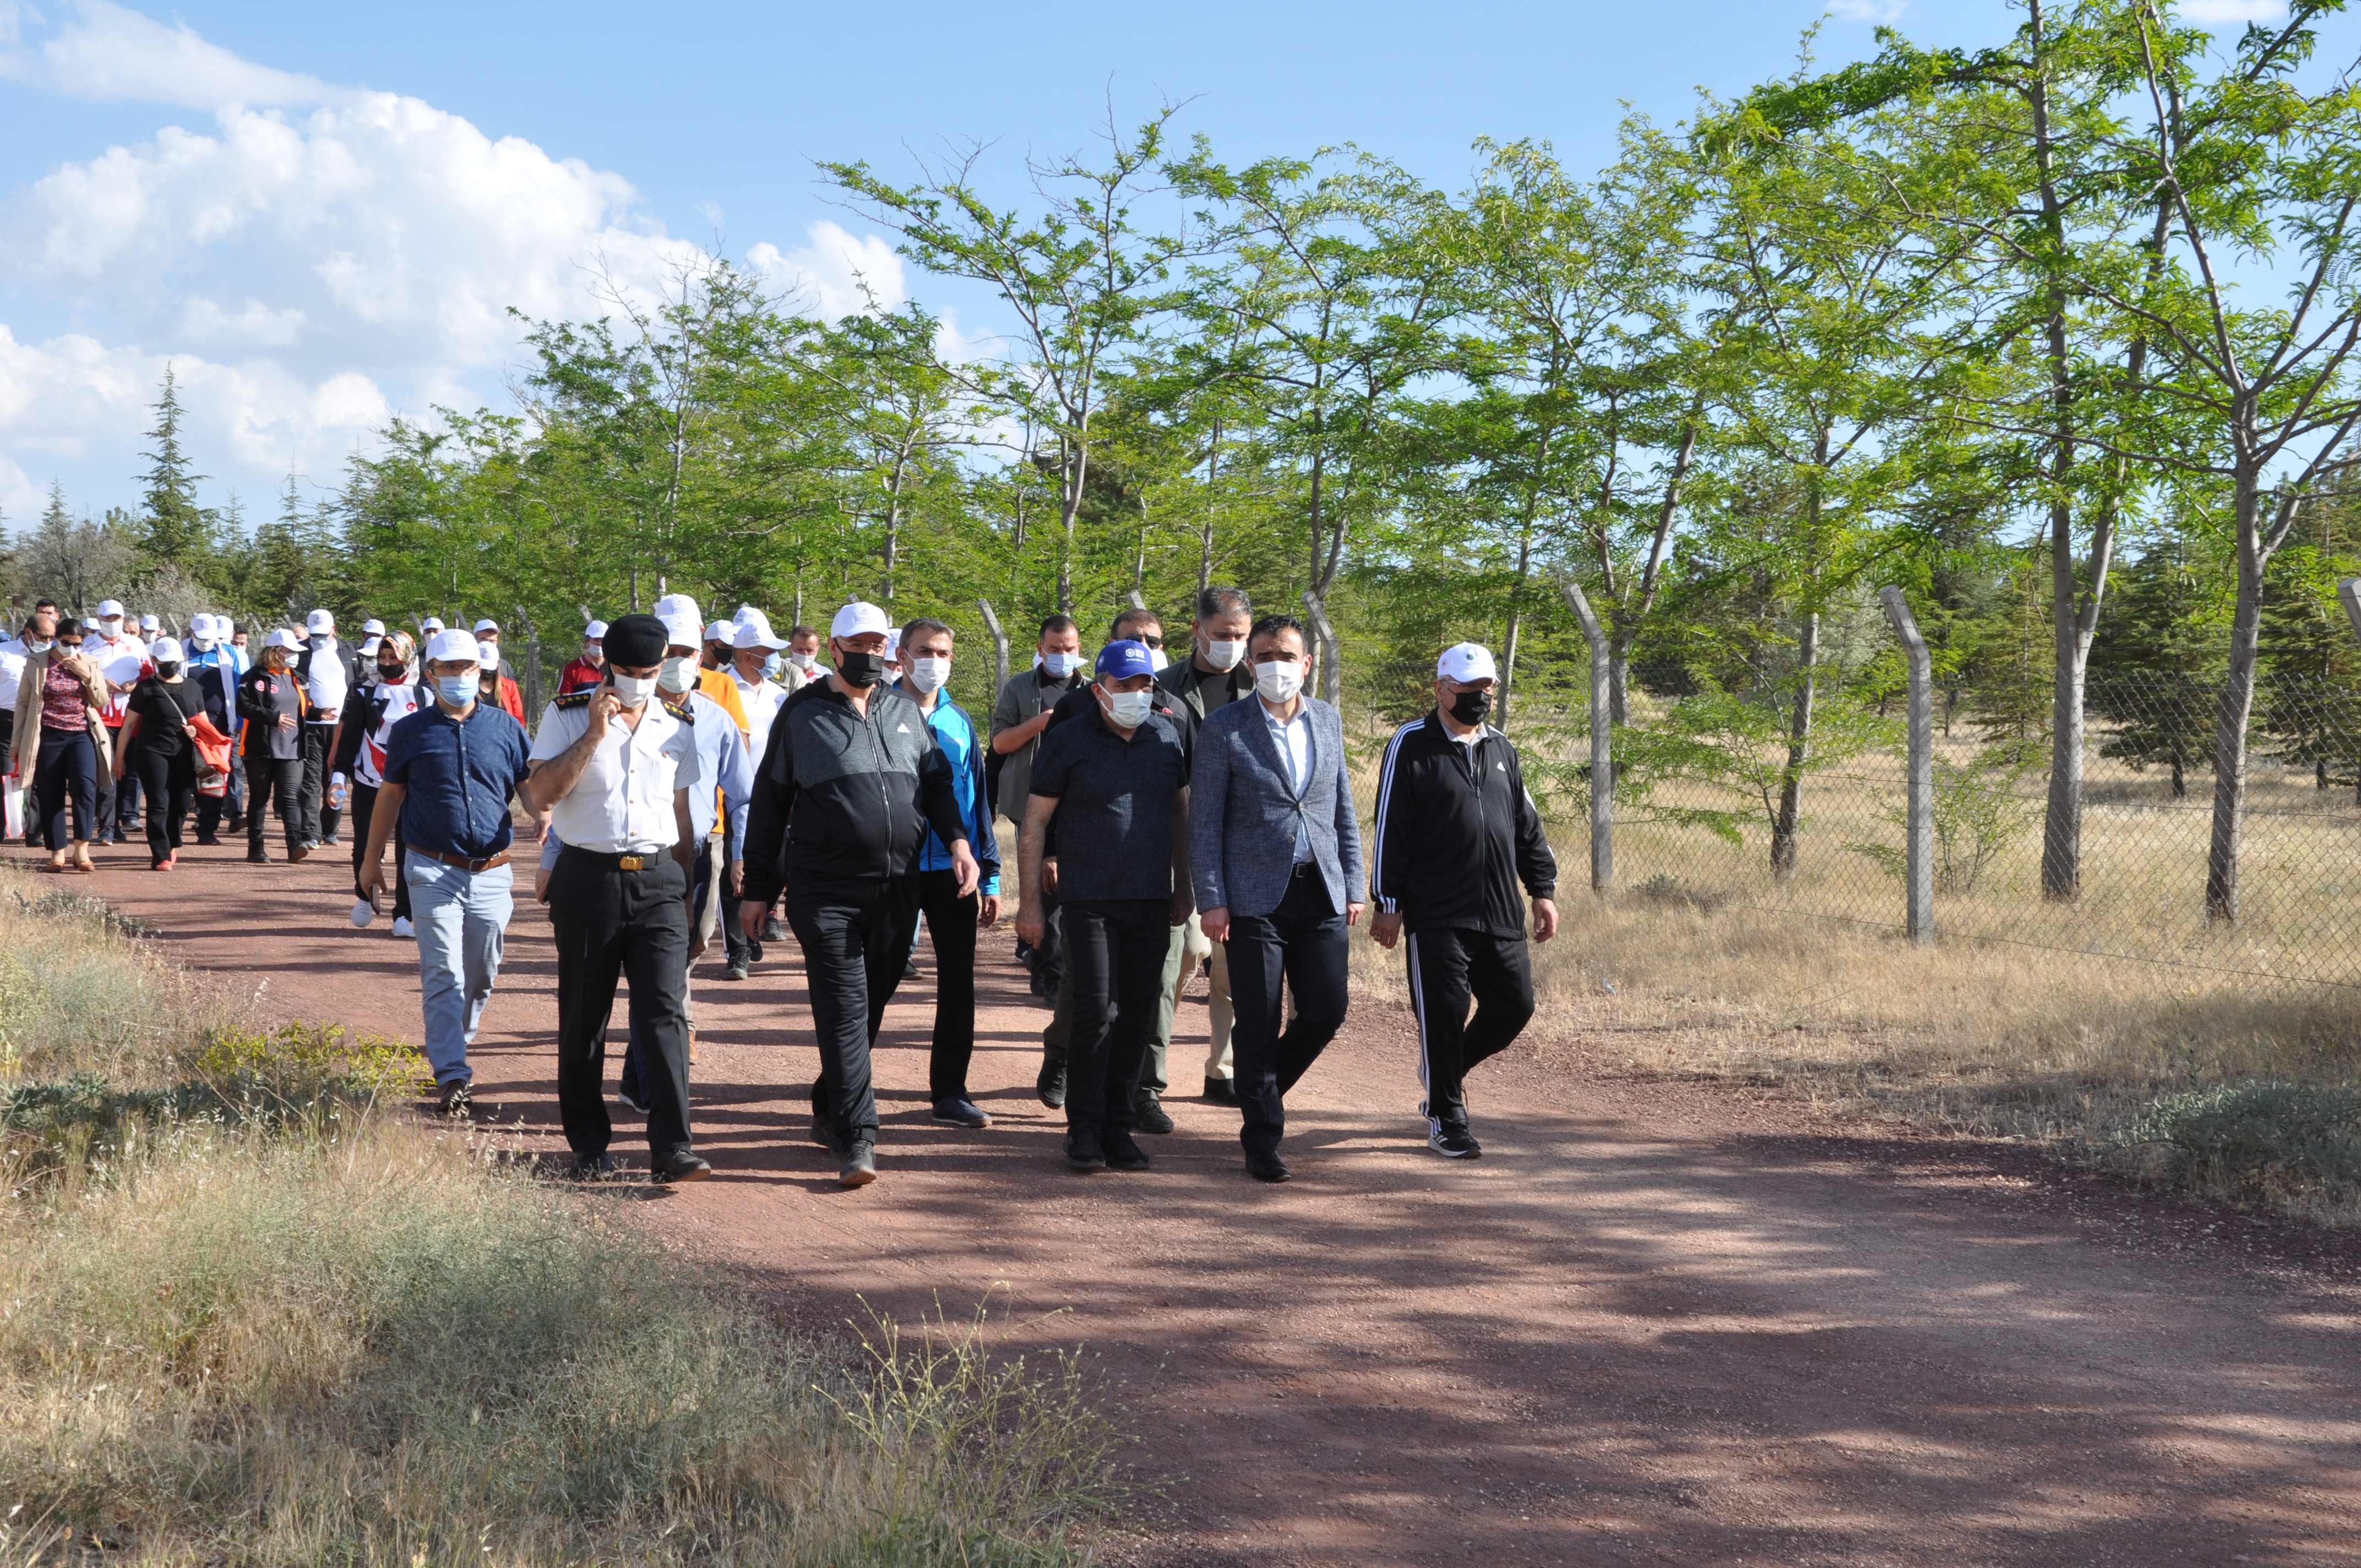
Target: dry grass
[(331, 1333)]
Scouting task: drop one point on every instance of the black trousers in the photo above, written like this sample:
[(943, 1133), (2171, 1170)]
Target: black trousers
[(609, 924), (951, 921), (169, 784), (856, 938), (700, 877), (737, 947), (365, 808), (111, 808), (230, 802), (1114, 951), (1446, 968), (65, 773), (1301, 942), (273, 781), (319, 750)]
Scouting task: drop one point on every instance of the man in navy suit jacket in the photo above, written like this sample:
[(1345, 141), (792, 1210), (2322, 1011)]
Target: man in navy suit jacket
[(1275, 851)]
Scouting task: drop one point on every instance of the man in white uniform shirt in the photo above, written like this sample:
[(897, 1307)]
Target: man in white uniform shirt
[(614, 768), (122, 658)]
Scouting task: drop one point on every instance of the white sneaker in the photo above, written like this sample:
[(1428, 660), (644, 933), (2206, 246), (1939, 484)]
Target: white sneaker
[(401, 925)]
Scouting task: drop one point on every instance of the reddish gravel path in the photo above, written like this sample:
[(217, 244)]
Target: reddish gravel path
[(1654, 1324)]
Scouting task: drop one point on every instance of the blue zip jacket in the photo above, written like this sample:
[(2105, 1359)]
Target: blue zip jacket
[(955, 733)]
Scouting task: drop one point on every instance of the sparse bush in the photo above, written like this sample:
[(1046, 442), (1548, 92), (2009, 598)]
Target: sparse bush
[(2271, 1139)]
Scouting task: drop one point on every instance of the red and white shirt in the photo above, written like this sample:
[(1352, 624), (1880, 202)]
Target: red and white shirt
[(401, 702), (123, 661)]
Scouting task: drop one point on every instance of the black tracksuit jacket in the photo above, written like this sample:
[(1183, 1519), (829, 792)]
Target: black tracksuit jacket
[(841, 798), (1456, 832)]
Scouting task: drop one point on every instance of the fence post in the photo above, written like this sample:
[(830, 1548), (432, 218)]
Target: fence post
[(999, 647), (1918, 865), (2349, 591), (1137, 602), (1602, 749), (1332, 657)]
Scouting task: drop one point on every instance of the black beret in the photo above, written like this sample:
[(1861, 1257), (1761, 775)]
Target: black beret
[(635, 641)]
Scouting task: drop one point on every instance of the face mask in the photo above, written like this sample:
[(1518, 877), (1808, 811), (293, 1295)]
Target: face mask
[(1155, 659), (636, 689), (319, 643), (1061, 664), (204, 645), (1469, 707), (1279, 682), (458, 690), (1129, 711), (166, 671), (859, 669), (1225, 655), (38, 644), (110, 629), (677, 675), (803, 662), (771, 668), (391, 674), (929, 674)]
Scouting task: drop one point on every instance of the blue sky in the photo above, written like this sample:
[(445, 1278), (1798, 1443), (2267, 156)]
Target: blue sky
[(319, 213)]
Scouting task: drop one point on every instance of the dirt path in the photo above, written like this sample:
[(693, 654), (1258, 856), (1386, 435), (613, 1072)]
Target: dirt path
[(1654, 1325)]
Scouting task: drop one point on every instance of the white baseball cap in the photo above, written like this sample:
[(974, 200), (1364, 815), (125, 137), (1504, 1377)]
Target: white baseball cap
[(487, 624), (368, 646), (164, 650), (149, 623), (676, 604), (755, 635), (431, 625), (200, 625), (110, 610), (1466, 662), (282, 638), (680, 631), (445, 646), (720, 632), (319, 623), (858, 618), (224, 626), (595, 632), (893, 644), (489, 655), (374, 628)]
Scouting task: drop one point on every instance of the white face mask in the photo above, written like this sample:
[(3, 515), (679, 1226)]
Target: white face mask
[(1061, 664), (204, 645), (634, 689), (1156, 658), (678, 674), (1225, 655), (1129, 711), (929, 674), (1279, 682), (803, 662)]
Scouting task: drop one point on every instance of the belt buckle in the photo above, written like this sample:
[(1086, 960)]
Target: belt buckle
[(631, 863)]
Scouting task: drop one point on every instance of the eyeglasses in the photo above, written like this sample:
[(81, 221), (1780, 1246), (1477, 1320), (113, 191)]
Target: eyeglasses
[(1150, 641)]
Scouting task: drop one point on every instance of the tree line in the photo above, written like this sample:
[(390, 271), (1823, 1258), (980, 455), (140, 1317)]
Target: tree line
[(2060, 334)]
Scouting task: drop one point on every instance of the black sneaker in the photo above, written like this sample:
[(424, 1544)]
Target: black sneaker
[(1149, 1117), (735, 971), (772, 930), (1220, 1091), (961, 1112), (256, 858), (1454, 1143), (860, 1165), (209, 840), (455, 1098), (300, 852), (1051, 1085), (592, 1167), (1083, 1150), (681, 1168), (824, 1138), (1122, 1154), (753, 952), (1268, 1168)]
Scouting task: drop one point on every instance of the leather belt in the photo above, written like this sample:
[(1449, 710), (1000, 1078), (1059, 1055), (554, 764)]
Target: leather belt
[(647, 862), (487, 863)]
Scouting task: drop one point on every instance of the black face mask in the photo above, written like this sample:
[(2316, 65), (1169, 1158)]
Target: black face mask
[(390, 675), (1469, 707), (166, 670), (860, 669)]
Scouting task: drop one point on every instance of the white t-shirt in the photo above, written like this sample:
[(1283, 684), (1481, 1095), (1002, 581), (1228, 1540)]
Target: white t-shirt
[(324, 683), (11, 672), (120, 660), (623, 803), (761, 702)]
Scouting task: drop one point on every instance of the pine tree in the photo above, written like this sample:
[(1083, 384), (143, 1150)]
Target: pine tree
[(172, 527)]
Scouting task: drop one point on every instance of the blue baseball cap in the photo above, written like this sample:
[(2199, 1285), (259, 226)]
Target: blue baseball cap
[(1125, 659)]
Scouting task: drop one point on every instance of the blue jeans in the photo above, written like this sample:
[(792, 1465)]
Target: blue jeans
[(460, 918)]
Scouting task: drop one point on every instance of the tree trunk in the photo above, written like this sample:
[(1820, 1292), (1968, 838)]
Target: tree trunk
[(2236, 708), (1508, 637), (1618, 674), (1799, 741), (1070, 505)]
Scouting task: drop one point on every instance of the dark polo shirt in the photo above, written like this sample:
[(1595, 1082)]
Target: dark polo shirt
[(1114, 806)]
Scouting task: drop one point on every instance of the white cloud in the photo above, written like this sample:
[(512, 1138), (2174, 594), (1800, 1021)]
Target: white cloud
[(1878, 11), (108, 53), (830, 274), (2218, 13)]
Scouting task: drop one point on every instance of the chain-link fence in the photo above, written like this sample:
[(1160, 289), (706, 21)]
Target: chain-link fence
[(1704, 814)]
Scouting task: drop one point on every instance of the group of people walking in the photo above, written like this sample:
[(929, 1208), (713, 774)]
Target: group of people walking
[(1173, 813)]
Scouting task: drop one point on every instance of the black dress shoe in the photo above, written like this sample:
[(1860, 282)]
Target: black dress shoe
[(592, 1167), (1268, 1168), (210, 840), (1220, 1091), (680, 1168), (1051, 1085), (1149, 1117), (1122, 1154), (1083, 1150)]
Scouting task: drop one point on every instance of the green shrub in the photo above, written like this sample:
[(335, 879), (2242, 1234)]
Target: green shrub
[(2271, 1137)]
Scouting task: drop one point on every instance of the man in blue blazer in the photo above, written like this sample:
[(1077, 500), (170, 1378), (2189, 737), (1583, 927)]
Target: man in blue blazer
[(1275, 851)]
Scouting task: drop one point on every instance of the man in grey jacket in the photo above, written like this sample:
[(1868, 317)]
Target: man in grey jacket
[(1275, 853)]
